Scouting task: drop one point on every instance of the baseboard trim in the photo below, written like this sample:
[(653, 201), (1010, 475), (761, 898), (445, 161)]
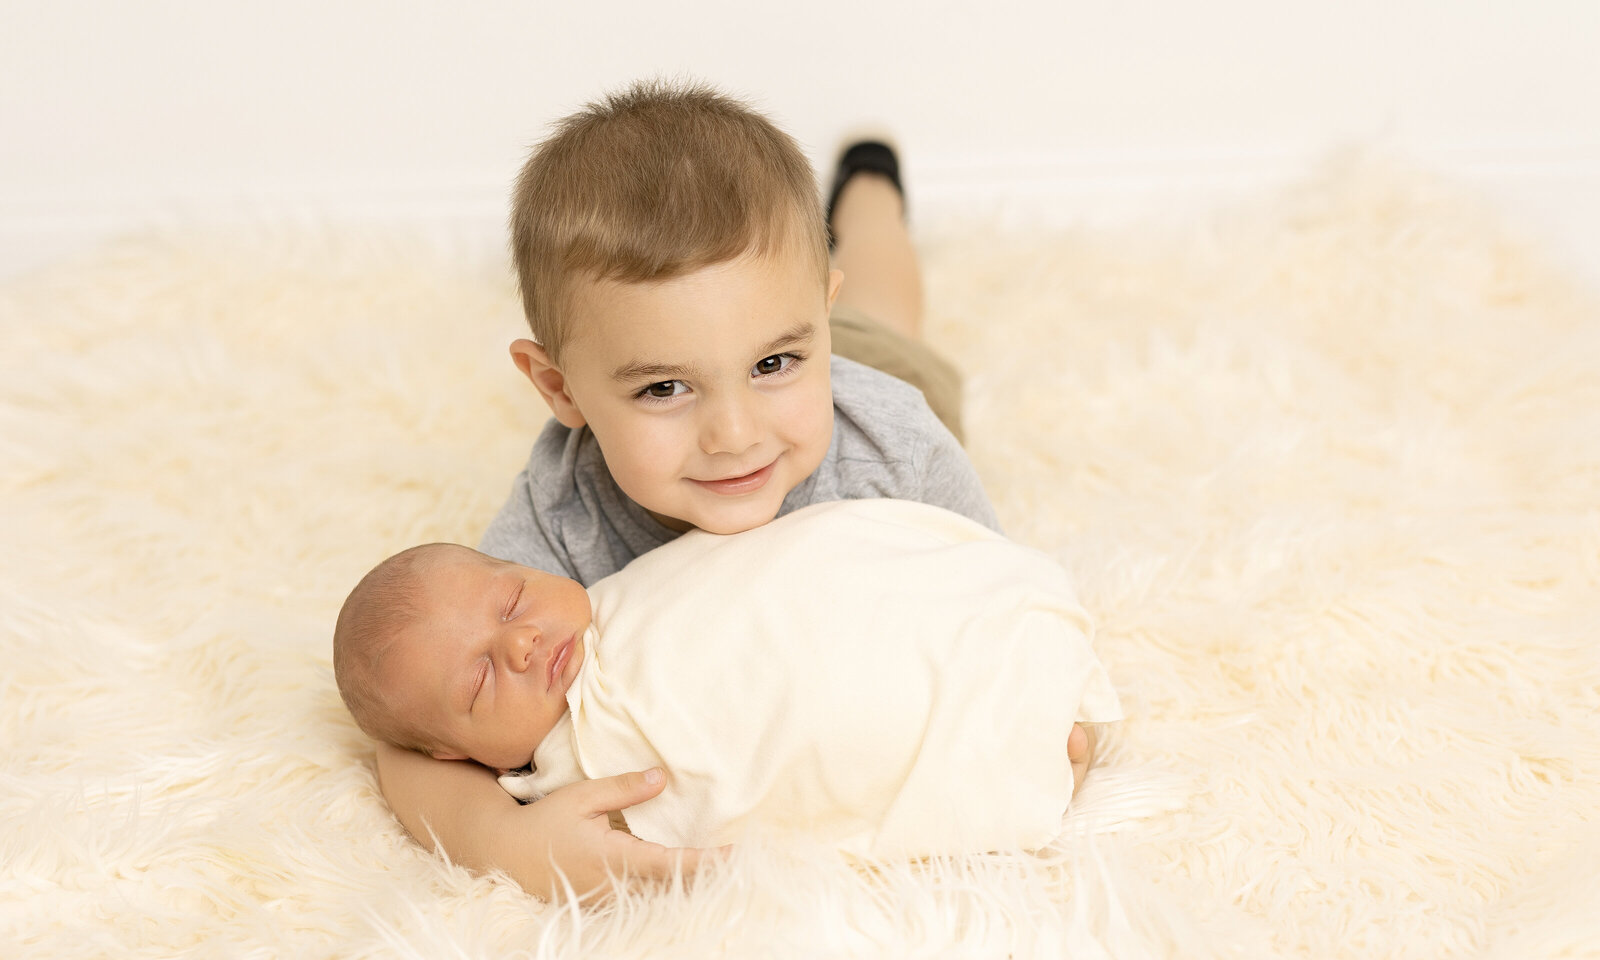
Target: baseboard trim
[(1552, 189)]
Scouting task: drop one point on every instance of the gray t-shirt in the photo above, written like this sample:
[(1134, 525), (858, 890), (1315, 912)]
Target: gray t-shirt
[(566, 515)]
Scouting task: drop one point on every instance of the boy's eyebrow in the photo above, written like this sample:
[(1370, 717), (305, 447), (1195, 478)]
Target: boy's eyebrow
[(799, 333), (636, 370)]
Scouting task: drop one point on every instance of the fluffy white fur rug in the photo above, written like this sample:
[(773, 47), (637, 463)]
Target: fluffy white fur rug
[(1327, 469)]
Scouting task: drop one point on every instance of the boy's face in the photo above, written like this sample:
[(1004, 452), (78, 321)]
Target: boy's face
[(487, 667), (708, 393)]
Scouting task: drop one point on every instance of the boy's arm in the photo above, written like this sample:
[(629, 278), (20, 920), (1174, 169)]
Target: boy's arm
[(458, 805)]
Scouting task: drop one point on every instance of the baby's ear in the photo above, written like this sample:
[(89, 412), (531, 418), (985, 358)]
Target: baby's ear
[(548, 379)]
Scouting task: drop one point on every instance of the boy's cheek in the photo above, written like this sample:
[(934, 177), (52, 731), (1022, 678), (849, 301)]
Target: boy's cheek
[(627, 437), (817, 408), (643, 460)]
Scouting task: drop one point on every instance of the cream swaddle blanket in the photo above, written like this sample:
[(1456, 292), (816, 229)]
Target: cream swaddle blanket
[(882, 675)]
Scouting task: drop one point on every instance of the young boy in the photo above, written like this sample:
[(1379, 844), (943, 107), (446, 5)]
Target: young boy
[(673, 259), (880, 675)]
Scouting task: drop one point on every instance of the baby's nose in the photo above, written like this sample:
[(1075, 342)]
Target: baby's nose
[(518, 646)]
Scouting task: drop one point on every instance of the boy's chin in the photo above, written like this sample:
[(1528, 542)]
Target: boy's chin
[(734, 519), (726, 522)]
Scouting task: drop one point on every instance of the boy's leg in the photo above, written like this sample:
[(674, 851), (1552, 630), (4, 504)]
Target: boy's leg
[(882, 277), (877, 318)]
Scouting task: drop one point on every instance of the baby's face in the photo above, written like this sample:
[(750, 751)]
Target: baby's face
[(708, 393), (487, 666)]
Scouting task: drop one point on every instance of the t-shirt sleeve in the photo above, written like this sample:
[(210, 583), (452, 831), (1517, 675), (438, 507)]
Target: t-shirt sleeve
[(888, 443), (949, 480), (515, 533)]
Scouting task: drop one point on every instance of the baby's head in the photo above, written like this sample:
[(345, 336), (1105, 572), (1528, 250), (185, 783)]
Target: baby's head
[(672, 255), (461, 656)]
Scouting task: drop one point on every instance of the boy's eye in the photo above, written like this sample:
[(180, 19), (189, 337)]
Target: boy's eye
[(664, 389), (776, 363)]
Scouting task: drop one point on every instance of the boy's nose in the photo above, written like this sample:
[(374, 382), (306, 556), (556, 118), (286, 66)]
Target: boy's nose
[(730, 426)]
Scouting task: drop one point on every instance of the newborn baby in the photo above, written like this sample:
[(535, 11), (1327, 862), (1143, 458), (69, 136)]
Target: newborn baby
[(882, 675)]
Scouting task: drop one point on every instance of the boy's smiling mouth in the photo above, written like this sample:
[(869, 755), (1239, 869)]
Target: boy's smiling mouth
[(745, 483)]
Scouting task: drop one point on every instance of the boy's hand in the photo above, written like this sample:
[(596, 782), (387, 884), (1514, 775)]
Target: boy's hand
[(589, 852), (457, 805)]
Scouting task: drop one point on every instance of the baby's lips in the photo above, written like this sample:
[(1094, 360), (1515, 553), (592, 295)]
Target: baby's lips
[(558, 659)]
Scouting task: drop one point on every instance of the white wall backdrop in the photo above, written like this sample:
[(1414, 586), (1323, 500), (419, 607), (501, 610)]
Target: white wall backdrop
[(116, 114)]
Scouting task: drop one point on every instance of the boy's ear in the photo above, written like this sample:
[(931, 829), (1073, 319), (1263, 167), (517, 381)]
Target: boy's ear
[(548, 379), (835, 279)]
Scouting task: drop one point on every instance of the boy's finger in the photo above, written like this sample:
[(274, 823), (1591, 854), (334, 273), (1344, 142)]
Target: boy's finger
[(621, 791), (641, 858)]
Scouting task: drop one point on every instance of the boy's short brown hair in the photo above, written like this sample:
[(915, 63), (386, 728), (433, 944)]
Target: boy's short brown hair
[(651, 183)]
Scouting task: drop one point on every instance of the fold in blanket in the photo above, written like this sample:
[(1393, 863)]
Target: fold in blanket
[(881, 675)]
